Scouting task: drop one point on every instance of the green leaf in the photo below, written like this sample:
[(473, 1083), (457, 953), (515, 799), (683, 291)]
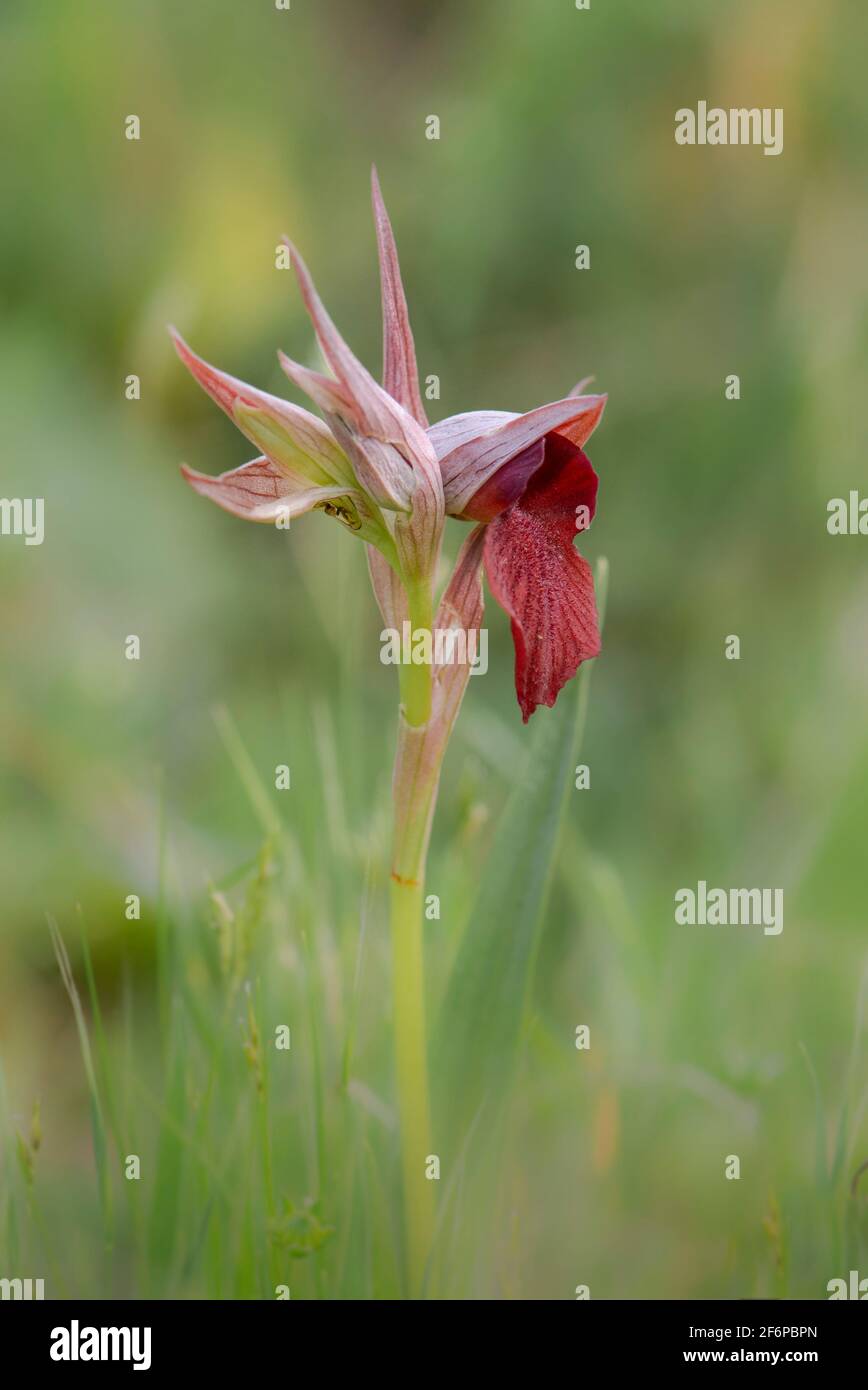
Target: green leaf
[(479, 1027), (96, 1111)]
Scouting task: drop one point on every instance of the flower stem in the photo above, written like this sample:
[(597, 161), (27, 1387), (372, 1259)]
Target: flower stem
[(416, 680), (417, 771), (412, 1067)]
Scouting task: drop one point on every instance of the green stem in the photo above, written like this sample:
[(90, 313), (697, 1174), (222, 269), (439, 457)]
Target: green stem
[(412, 1067), (417, 770), (415, 681)]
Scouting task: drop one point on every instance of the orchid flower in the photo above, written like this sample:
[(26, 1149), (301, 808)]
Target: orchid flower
[(373, 463)]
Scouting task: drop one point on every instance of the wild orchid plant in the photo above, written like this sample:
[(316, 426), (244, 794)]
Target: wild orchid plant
[(376, 465)]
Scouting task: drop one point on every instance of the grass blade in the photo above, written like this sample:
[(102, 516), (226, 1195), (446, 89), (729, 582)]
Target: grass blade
[(96, 1109)]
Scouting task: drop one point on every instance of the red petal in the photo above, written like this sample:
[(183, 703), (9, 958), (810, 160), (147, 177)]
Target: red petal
[(541, 581), (506, 485)]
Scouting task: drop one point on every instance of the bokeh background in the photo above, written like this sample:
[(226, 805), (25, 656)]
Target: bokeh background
[(155, 777)]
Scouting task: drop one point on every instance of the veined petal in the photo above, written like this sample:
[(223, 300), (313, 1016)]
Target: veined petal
[(290, 436), (470, 464), (300, 443), (391, 453), (324, 391), (400, 373), (463, 607), (260, 491), (462, 604), (418, 535), (375, 411), (541, 581), (388, 590), (447, 434), (381, 469)]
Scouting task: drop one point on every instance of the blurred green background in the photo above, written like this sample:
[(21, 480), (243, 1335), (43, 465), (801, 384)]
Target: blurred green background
[(154, 777)]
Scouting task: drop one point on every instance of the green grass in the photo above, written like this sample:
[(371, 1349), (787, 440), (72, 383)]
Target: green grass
[(265, 1169)]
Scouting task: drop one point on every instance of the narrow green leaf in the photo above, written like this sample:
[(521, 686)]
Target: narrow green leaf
[(103, 1056), (480, 1022), (248, 773), (96, 1110)]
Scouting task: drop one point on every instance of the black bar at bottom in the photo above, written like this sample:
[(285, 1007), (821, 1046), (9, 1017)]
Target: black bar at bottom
[(235, 1338)]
